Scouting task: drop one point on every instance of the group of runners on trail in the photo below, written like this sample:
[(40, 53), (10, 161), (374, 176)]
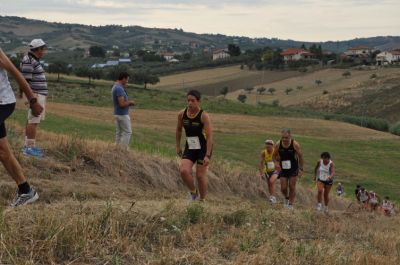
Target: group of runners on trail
[(282, 160), (370, 200)]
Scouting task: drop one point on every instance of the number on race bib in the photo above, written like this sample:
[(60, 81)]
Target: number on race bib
[(193, 143), (286, 164), (270, 165)]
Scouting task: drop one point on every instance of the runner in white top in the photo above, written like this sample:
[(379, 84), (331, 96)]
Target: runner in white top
[(373, 200), (323, 174)]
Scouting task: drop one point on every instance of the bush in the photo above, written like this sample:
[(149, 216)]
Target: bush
[(194, 213), (373, 76), (237, 218), (275, 103), (325, 92), (395, 129), (367, 122)]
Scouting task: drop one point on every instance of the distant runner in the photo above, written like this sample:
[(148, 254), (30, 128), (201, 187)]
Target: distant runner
[(198, 146), (340, 190), (387, 207), (289, 160), (363, 197), (358, 187), (323, 173), (373, 200), (268, 170)]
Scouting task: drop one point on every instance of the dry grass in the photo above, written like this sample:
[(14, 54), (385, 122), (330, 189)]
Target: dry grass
[(332, 82), (102, 205)]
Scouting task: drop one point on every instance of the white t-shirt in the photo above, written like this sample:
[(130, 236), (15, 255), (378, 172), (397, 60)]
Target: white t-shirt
[(6, 93)]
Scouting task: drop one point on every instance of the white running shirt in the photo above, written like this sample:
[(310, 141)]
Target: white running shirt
[(6, 93)]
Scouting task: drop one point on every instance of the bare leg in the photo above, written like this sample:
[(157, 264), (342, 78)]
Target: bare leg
[(292, 187), (201, 174), (30, 131), (10, 163), (186, 173), (284, 186), (327, 189), (320, 188), (271, 184)]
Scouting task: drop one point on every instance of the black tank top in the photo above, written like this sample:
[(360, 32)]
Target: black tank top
[(194, 127), (288, 154)]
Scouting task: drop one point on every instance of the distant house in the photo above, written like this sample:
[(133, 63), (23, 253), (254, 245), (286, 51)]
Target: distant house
[(174, 60), (296, 54), (220, 54), (387, 57), (168, 56), (359, 51), (124, 61), (111, 63), (99, 65)]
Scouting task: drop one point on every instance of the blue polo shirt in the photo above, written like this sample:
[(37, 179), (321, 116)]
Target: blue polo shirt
[(117, 91)]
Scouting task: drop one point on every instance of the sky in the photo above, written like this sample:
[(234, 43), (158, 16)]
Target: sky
[(303, 20)]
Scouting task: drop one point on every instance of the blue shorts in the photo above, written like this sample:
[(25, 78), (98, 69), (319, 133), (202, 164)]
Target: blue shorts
[(268, 175)]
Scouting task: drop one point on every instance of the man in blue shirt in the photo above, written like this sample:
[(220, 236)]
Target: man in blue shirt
[(121, 105)]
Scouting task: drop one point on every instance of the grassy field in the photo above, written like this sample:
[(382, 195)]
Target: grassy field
[(362, 155)]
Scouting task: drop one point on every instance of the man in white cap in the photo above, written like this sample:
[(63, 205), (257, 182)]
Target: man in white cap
[(25, 194), (34, 74)]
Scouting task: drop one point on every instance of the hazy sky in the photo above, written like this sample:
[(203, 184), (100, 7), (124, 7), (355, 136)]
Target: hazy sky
[(307, 20)]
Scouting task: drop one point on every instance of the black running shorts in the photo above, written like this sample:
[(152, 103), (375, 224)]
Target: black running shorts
[(5, 112)]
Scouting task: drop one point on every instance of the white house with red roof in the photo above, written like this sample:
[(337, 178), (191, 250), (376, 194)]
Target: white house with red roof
[(296, 54), (220, 54), (359, 51), (387, 57)]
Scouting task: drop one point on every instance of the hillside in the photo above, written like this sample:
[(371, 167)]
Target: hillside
[(358, 94), (101, 205), (15, 30)]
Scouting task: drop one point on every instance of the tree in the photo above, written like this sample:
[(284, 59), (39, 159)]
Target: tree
[(318, 82), (234, 50), (271, 90), (373, 76), (261, 90), (58, 67), (97, 51), (299, 87), (249, 89), (346, 74), (224, 91), (242, 98), (288, 90), (144, 78)]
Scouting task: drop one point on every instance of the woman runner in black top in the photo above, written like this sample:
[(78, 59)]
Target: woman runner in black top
[(198, 145), (289, 160)]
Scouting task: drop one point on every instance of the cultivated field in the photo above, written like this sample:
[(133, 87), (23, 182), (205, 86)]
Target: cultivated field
[(332, 82), (211, 81)]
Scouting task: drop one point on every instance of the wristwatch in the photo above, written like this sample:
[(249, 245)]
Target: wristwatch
[(32, 101)]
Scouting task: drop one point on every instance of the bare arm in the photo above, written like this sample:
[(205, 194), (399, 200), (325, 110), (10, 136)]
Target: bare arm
[(296, 146), (333, 170), (122, 103), (276, 157), (23, 85), (209, 136), (178, 135)]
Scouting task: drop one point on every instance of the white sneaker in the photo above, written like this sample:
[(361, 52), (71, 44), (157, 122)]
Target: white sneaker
[(285, 202), (289, 207), (326, 209), (22, 199), (319, 207), (272, 199)]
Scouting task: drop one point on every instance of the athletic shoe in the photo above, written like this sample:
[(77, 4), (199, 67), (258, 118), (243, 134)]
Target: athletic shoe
[(193, 196), (272, 199), (326, 209), (289, 207), (22, 199), (285, 202), (32, 151), (319, 207)]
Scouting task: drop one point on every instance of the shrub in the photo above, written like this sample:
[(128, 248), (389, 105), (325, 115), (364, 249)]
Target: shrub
[(325, 92), (237, 218), (395, 129), (242, 98), (194, 213)]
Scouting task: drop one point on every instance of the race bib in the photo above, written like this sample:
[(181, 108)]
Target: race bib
[(193, 143), (286, 164), (270, 165), (323, 176)]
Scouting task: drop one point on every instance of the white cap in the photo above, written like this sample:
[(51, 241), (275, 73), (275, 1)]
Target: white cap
[(269, 142), (36, 43)]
